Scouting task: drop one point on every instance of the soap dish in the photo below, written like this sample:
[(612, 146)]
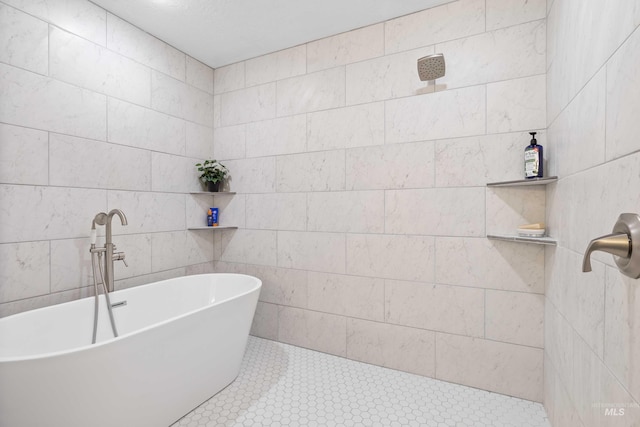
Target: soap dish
[(528, 232)]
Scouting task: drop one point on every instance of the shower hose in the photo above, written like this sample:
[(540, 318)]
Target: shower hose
[(97, 256)]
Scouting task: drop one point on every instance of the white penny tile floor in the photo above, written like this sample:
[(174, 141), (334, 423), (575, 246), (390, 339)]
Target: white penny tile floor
[(283, 385)]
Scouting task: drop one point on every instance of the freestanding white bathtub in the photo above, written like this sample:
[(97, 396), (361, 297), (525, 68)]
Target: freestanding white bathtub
[(181, 341)]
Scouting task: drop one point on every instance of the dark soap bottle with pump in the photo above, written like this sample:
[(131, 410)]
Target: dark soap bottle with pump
[(533, 159)]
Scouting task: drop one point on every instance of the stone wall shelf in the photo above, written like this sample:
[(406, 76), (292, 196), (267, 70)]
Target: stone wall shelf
[(220, 227), (535, 240), (215, 193), (524, 182)]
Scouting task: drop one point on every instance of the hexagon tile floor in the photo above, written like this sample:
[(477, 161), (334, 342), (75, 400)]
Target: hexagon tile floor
[(283, 385)]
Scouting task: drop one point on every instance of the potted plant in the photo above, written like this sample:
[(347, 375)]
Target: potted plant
[(213, 174)]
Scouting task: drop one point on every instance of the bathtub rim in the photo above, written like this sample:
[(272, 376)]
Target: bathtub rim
[(258, 285)]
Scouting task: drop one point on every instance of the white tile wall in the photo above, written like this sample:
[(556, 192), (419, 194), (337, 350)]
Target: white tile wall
[(358, 126), (312, 329), (31, 213), (248, 105), (198, 141), (345, 48), (276, 66), (175, 98), (77, 16), (515, 317), (590, 337), (353, 296), (579, 133), (217, 115), (143, 210), (75, 60), (312, 251), (447, 114), (281, 286), (508, 208), (462, 162), (573, 60), (391, 256), (252, 175), (515, 105), (178, 248), (409, 165), (136, 44), (265, 321), (621, 347), (228, 78), (277, 211), (230, 142), (504, 13), (386, 77), (513, 266), (171, 173), (504, 368), (71, 264), (623, 90), (352, 211), (199, 75), (98, 164), (249, 246), (564, 290), (141, 127), (358, 193), (436, 212), (454, 309), (25, 270), (39, 102), (231, 209), (138, 255), (24, 40), (509, 53), (322, 171), (311, 92), (278, 136), (20, 146), (449, 22), (397, 347)]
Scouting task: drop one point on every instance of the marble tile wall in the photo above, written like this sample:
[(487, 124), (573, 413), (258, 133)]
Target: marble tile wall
[(592, 344), (361, 193), (96, 114)]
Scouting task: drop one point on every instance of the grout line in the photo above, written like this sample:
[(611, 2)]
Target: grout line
[(485, 16), (435, 355), (606, 144), (50, 267), (48, 50), (604, 65), (48, 161), (484, 326)]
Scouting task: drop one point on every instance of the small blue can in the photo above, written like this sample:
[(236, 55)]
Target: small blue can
[(215, 217)]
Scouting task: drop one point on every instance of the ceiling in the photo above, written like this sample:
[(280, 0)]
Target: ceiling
[(221, 32)]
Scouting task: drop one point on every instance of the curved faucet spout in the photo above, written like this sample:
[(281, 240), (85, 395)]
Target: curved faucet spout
[(617, 244), (123, 217), (123, 220)]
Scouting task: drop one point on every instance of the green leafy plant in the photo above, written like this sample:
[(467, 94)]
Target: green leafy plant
[(212, 171)]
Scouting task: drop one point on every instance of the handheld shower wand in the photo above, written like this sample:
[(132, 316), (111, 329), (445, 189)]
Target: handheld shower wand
[(106, 275)]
